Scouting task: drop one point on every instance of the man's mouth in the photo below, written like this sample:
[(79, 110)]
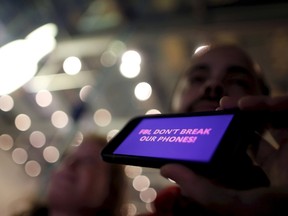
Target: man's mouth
[(204, 105)]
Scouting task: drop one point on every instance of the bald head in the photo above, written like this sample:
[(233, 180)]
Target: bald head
[(214, 72)]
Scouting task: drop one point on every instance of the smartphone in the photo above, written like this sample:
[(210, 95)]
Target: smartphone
[(207, 142)]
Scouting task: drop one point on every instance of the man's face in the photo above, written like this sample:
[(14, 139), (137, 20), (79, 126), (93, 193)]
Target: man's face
[(213, 74)]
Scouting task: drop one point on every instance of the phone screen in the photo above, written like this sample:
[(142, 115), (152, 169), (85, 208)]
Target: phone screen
[(193, 138)]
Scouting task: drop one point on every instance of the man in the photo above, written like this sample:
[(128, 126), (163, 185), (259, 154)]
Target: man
[(226, 77)]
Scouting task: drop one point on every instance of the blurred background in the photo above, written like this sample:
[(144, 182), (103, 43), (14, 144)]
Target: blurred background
[(69, 67)]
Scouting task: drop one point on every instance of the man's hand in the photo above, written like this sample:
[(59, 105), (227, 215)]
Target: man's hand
[(272, 158), (272, 152), (223, 201)]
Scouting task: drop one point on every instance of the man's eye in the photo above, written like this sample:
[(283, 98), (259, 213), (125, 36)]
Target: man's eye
[(239, 82), (197, 79)]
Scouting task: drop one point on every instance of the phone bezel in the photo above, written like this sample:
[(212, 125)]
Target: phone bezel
[(231, 147)]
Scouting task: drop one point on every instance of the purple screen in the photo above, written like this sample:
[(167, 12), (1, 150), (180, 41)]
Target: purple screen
[(184, 138)]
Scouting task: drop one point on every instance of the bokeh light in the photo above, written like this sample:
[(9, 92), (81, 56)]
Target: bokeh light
[(6, 103), (32, 168), (111, 134), (102, 117), (37, 139), (141, 183), (72, 65), (59, 119), (84, 92), (6, 142), (143, 91), (51, 154), (43, 98), (133, 171), (22, 122), (148, 195), (19, 155)]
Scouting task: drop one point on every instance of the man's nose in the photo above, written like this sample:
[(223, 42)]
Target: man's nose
[(214, 89)]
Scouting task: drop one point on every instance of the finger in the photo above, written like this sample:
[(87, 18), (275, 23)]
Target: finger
[(275, 110), (227, 102), (254, 103), (278, 103), (264, 103)]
